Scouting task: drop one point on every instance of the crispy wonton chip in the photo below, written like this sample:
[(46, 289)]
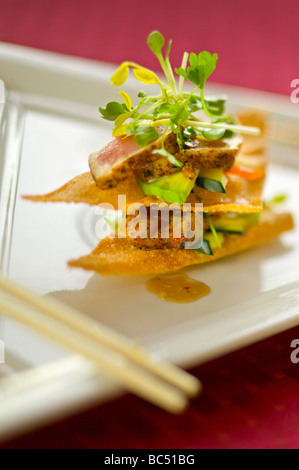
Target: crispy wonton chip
[(119, 256), (242, 195)]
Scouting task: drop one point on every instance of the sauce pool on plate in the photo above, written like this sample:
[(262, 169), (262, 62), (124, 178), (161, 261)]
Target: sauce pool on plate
[(177, 288)]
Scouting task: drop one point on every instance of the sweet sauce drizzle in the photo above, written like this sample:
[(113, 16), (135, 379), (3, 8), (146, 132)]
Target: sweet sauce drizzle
[(177, 288)]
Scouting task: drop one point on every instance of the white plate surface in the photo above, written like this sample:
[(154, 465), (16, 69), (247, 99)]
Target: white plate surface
[(254, 294)]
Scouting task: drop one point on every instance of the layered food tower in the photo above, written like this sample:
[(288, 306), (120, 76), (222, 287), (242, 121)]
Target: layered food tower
[(179, 148)]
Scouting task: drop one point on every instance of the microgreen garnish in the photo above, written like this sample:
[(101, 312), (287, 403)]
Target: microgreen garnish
[(168, 155), (143, 134), (278, 199), (172, 108), (275, 201), (213, 134), (113, 110), (201, 67)]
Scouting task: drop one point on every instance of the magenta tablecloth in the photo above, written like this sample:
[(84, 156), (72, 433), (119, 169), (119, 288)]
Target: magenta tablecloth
[(257, 41), (250, 400), (251, 397)]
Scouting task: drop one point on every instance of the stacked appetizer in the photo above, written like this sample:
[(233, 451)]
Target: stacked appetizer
[(181, 148)]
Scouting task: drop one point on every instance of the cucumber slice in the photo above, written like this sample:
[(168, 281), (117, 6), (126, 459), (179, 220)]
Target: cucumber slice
[(205, 248), (209, 237), (235, 223), (173, 188), (212, 180)]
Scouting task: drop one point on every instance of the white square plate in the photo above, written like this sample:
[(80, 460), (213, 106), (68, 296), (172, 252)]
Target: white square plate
[(53, 104)]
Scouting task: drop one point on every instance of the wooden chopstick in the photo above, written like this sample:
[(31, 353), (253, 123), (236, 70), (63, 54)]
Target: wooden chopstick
[(135, 380), (115, 354), (105, 335)]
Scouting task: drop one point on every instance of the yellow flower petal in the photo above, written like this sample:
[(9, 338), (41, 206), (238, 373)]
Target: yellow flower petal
[(120, 76), (126, 99), (120, 130), (121, 119), (145, 75)]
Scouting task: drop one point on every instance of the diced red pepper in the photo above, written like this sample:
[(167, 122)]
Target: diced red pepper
[(251, 174)]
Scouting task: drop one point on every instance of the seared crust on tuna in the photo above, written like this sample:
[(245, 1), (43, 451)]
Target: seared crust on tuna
[(122, 156)]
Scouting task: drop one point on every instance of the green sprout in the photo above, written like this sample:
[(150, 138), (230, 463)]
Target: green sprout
[(172, 108)]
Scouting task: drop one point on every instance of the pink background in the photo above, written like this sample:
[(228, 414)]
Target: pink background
[(251, 397), (257, 41)]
